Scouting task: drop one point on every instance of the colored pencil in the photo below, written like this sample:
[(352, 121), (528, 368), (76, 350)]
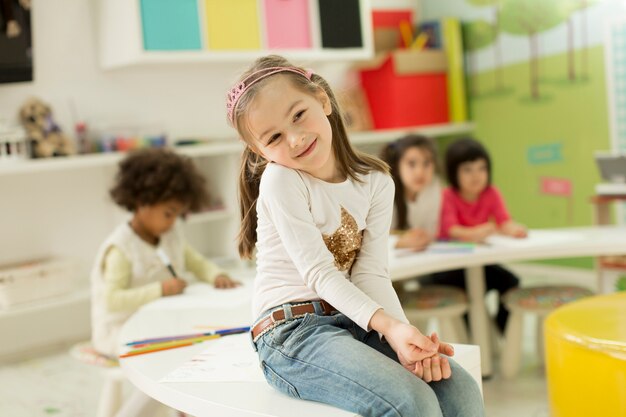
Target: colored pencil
[(157, 347), (141, 352), (234, 330), (147, 346)]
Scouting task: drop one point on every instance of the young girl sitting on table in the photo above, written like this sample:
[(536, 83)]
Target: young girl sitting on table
[(472, 210), (417, 201), (329, 326), (157, 186)]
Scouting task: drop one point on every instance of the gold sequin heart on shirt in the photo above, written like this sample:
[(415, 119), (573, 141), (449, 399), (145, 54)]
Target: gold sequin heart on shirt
[(345, 242)]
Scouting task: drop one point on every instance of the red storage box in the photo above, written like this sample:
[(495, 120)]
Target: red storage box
[(406, 88)]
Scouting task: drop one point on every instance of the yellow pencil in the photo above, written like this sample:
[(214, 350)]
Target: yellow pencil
[(142, 351), (154, 347)]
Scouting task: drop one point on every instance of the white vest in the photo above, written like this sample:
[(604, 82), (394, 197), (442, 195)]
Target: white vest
[(146, 267)]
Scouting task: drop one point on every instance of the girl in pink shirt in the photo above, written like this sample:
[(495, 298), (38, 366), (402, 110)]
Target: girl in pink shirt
[(472, 209)]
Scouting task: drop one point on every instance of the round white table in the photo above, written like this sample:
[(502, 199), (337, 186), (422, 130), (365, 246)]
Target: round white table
[(182, 315), (202, 306), (540, 244)]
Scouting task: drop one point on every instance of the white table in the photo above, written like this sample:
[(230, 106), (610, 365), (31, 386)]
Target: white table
[(182, 315), (541, 244)]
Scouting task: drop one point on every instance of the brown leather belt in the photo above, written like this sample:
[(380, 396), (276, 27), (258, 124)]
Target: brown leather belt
[(297, 310)]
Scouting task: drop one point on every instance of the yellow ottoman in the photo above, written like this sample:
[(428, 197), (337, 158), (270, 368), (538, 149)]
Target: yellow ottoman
[(586, 357)]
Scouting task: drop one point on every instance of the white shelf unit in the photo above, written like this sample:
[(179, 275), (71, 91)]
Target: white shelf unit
[(121, 39)]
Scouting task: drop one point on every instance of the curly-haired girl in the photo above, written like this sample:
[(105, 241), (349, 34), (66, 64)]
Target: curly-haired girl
[(157, 186)]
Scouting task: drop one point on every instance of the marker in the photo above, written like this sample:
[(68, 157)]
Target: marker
[(166, 260)]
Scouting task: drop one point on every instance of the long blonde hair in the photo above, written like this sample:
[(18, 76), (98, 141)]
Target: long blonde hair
[(351, 163)]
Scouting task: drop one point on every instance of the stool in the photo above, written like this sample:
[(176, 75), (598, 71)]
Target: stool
[(446, 304), (586, 357), (111, 395), (539, 301)]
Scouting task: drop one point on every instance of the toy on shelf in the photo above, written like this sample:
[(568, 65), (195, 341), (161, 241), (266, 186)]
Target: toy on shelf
[(12, 144), (43, 134), (127, 138)]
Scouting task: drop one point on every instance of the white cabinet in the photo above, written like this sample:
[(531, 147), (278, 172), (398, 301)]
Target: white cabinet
[(125, 35)]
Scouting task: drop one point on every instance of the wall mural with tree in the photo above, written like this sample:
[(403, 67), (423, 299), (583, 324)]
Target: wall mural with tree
[(537, 92)]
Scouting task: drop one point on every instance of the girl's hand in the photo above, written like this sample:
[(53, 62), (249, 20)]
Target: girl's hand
[(409, 343), (435, 368), (415, 239), (486, 230), (513, 229), (224, 281), (172, 286)]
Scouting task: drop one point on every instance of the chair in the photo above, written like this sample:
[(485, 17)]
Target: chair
[(538, 301), (445, 304), (111, 395), (112, 402)]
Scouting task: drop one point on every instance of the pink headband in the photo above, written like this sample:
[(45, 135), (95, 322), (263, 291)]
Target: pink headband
[(237, 91)]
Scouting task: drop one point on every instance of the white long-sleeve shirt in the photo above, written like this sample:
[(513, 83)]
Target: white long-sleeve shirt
[(424, 212), (297, 213)]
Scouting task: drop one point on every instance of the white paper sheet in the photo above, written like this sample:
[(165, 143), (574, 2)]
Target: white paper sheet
[(535, 238), (202, 295), (227, 359), (437, 248)]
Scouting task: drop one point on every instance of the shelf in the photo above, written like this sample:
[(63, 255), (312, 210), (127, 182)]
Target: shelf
[(216, 148), (194, 57), (209, 216), (222, 147), (388, 135)]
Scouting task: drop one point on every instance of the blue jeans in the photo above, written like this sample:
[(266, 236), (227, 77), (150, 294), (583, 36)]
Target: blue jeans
[(332, 360)]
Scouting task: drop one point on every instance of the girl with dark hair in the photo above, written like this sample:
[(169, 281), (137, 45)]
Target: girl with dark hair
[(329, 325), (417, 201), (472, 210), (157, 186)]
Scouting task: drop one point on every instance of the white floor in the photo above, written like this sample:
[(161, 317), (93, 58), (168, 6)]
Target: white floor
[(59, 386)]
